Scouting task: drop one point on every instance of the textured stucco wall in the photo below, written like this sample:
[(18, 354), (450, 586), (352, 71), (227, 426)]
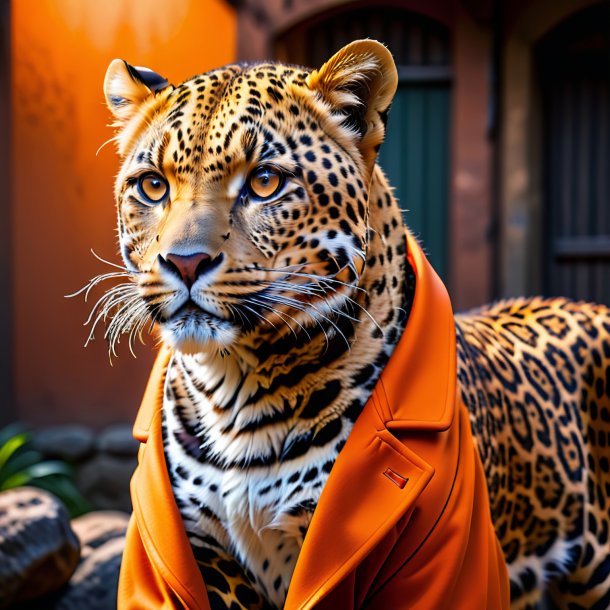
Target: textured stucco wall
[(62, 203)]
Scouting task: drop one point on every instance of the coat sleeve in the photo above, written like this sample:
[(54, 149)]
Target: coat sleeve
[(459, 563)]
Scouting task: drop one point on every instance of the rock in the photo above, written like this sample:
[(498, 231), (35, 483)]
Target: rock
[(94, 584), (97, 528), (104, 481), (118, 440), (72, 443), (38, 549)]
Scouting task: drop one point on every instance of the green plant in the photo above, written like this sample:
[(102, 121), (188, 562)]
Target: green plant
[(21, 464)]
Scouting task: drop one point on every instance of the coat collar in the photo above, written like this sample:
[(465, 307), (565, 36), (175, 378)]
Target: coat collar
[(428, 342), (152, 401), (377, 476)]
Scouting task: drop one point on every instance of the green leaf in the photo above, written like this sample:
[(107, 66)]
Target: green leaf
[(17, 480), (67, 492), (50, 467), (21, 459), (36, 471), (22, 465), (11, 446)]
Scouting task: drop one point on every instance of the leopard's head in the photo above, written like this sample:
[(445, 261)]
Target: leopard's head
[(242, 194)]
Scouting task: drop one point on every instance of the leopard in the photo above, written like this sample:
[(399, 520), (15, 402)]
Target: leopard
[(263, 242)]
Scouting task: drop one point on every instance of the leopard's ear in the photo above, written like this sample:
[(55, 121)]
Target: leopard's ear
[(126, 87), (360, 81)]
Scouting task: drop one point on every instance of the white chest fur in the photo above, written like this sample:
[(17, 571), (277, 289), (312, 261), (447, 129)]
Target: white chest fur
[(257, 514)]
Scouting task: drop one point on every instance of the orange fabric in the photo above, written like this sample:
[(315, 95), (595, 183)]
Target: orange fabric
[(373, 541)]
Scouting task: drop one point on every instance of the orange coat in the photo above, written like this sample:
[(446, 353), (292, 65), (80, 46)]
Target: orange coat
[(403, 522)]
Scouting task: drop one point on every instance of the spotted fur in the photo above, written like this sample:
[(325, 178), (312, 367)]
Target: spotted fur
[(282, 311), (535, 375)]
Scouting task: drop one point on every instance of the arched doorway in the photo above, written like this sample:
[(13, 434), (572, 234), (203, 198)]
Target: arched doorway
[(415, 154), (573, 63)]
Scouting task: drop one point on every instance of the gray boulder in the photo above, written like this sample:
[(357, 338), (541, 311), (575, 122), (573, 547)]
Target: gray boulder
[(73, 443), (39, 551), (118, 440), (104, 481), (94, 584)]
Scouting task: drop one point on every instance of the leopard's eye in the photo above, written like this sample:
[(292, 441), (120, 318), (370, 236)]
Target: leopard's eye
[(265, 181), (152, 188)]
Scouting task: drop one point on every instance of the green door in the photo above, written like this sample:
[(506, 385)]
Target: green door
[(415, 158), (415, 155)]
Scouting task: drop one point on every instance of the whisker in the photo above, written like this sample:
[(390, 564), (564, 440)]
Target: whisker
[(117, 293), (258, 315), (233, 310), (301, 307), (129, 328), (116, 302), (113, 139), (121, 323), (325, 281), (366, 312), (279, 314), (95, 281), (103, 260), (313, 276)]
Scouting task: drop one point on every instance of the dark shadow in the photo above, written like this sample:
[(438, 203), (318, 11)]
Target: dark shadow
[(7, 410)]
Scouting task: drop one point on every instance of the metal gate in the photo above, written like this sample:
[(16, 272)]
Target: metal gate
[(415, 154), (574, 67)]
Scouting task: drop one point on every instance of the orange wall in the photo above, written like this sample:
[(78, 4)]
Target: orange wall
[(62, 203)]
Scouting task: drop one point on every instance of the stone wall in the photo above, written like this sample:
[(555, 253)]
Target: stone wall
[(103, 461)]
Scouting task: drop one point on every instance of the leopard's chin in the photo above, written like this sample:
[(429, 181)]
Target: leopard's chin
[(195, 331)]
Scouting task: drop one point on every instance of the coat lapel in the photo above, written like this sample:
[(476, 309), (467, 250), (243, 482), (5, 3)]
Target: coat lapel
[(157, 517), (376, 478), (373, 483)]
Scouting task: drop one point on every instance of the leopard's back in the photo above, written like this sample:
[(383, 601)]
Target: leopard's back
[(535, 376)]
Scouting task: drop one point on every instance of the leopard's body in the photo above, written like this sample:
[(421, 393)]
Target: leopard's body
[(280, 328), (535, 376)]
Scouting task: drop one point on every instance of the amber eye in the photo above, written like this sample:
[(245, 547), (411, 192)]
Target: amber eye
[(152, 188), (265, 181)]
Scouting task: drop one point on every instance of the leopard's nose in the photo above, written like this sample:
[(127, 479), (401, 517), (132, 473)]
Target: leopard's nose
[(188, 267)]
